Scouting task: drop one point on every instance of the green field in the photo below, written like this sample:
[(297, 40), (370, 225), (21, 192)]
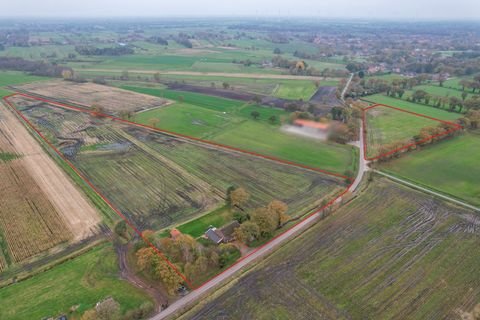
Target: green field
[(293, 91), (237, 129), (454, 83), (82, 282), (436, 91), (386, 127), (287, 89), (413, 107), (8, 78), (451, 167), (217, 218), (201, 100), (158, 181), (391, 253), (268, 140), (188, 119)]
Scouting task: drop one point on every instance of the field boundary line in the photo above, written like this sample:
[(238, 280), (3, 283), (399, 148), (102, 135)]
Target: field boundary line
[(427, 190), (455, 126), (298, 224), (120, 214), (184, 136)]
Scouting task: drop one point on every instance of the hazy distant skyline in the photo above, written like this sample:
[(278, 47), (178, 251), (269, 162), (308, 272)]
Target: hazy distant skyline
[(376, 9)]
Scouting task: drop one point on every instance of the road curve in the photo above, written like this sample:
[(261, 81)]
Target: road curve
[(263, 251)]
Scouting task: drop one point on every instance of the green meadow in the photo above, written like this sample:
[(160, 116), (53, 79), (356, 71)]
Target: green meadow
[(80, 283), (449, 166), (413, 107), (229, 122)]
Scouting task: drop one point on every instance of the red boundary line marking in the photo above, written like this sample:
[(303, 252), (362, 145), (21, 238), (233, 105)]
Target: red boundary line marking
[(123, 217), (455, 126), (215, 144)]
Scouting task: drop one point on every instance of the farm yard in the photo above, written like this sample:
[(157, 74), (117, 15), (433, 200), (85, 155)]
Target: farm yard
[(158, 180), (389, 129), (392, 253), (112, 100), (449, 167)]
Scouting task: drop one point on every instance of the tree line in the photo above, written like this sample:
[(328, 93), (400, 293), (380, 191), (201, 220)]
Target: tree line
[(38, 68), (109, 51)]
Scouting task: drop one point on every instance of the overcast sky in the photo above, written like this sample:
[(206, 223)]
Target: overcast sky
[(389, 9)]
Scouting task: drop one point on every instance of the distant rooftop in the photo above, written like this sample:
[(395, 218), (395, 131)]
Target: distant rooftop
[(311, 124)]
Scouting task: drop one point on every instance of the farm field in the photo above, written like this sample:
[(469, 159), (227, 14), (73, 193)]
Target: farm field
[(454, 83), (391, 253), (39, 207), (184, 179), (436, 91), (8, 78), (287, 89), (414, 107), (29, 223), (237, 129), (81, 282), (389, 128), (210, 62), (449, 167), (113, 100)]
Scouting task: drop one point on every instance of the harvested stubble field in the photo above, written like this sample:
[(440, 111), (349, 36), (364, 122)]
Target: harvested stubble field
[(387, 127), (113, 100), (158, 180), (39, 205), (28, 220), (30, 223), (392, 253)]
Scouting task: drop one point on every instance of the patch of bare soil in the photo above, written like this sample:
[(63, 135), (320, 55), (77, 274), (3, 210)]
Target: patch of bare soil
[(112, 99), (78, 214)]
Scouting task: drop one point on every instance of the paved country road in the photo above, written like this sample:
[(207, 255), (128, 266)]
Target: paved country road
[(260, 253)]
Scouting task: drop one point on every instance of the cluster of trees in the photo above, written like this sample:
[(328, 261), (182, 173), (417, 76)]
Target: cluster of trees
[(453, 103), (259, 223), (296, 67), (188, 255), (397, 87), (473, 85), (346, 129), (183, 39), (424, 137), (246, 63), (158, 40), (471, 119), (15, 38), (109, 51), (39, 68), (277, 37)]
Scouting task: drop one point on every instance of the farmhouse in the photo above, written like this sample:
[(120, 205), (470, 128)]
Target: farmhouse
[(224, 234), (214, 235)]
